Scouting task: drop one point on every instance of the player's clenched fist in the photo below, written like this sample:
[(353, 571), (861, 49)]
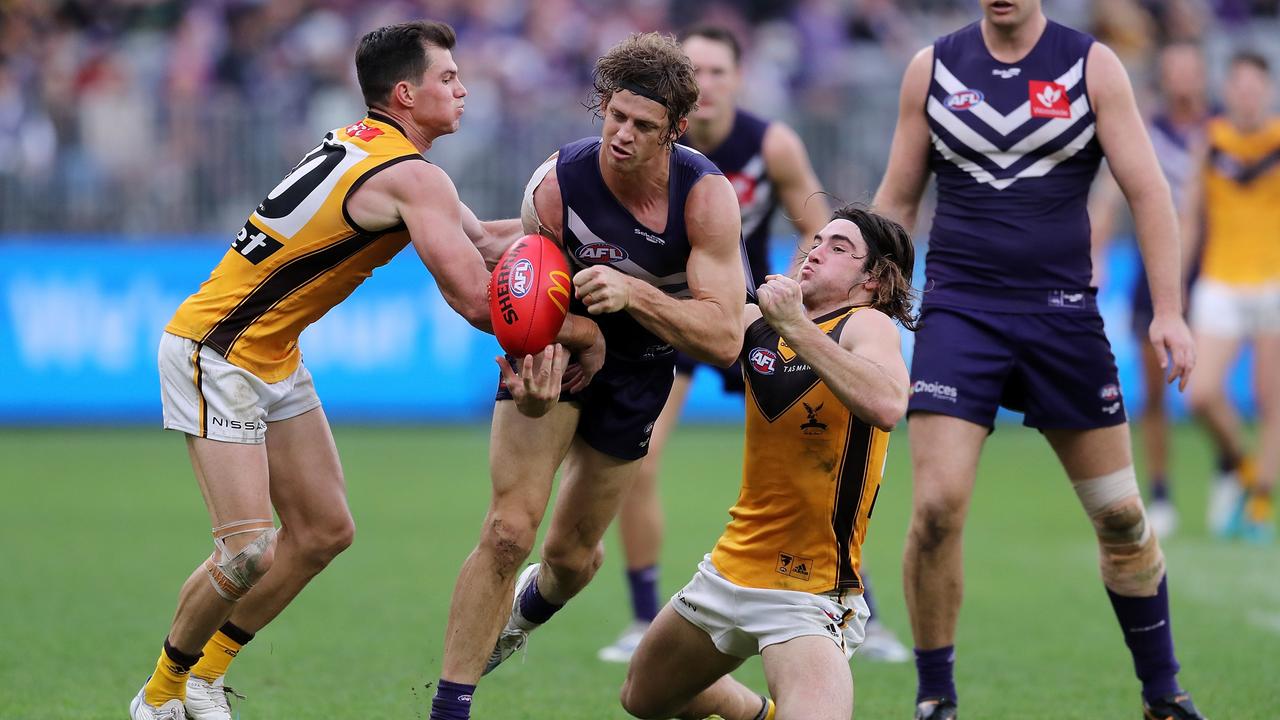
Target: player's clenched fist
[(780, 303), (602, 289)]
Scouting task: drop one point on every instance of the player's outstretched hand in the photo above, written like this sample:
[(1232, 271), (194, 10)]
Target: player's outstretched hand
[(602, 289), (589, 363), (780, 302), (537, 386), (1171, 338)]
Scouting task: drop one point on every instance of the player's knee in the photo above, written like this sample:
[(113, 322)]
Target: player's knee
[(1129, 555), (1201, 397), (509, 538), (235, 567), (318, 545), (572, 561), (935, 523), (638, 704)]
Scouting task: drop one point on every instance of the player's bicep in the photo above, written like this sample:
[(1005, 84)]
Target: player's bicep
[(715, 265), (908, 170), (874, 336), (541, 210), (792, 174), (432, 212), (1120, 129)]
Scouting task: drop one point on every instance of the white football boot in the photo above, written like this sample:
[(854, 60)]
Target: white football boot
[(1163, 517), (881, 645), (1226, 505), (516, 633), (625, 646), (140, 710), (208, 700)]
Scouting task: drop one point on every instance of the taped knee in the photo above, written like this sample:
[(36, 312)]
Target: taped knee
[(1129, 554), (234, 574)]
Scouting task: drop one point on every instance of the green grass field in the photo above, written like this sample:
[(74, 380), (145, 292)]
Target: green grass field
[(99, 528)]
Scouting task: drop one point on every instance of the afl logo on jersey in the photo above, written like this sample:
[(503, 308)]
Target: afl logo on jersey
[(963, 100), (763, 361), (599, 253), (521, 277)]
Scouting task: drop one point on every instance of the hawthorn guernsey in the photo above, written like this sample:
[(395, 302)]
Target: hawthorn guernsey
[(529, 295)]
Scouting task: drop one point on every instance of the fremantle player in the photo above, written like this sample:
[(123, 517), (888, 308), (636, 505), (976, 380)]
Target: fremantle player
[(653, 232), (1013, 114)]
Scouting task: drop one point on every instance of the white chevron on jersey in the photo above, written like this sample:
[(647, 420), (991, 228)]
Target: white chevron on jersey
[(1005, 124), (675, 284), (1037, 169), (1004, 158)]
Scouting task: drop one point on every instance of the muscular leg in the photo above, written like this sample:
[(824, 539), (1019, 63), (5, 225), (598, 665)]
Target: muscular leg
[(944, 461), (678, 672), (1100, 465), (1208, 398), (809, 679), (523, 456)]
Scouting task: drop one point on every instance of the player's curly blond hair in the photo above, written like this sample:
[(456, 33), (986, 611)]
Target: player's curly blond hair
[(651, 65)]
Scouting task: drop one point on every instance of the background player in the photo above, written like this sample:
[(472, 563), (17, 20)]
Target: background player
[(826, 382), (1238, 297), (653, 231), (768, 165), (1013, 114), (231, 369), (1177, 132)]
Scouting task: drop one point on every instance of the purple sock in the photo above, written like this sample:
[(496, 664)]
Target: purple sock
[(1145, 622), (866, 595), (452, 701), (644, 592), (935, 673), (1227, 463), (1159, 487), (534, 607)]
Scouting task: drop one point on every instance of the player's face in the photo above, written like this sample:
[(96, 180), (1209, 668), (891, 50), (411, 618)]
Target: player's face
[(1009, 13), (717, 74), (1247, 95), (1182, 74), (836, 266), (634, 129), (439, 98)]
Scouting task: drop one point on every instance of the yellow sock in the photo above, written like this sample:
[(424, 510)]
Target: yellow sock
[(218, 654), (1258, 507), (169, 681), (773, 709), (1248, 473)]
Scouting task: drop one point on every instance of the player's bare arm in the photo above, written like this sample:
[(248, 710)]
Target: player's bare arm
[(543, 212), (491, 237), (904, 180), (1133, 163), (423, 197), (797, 186), (707, 326), (865, 369)]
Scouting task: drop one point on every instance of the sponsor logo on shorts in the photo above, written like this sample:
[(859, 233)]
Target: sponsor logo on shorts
[(963, 99), (763, 360), (521, 278), (681, 599), (648, 430), (1066, 299), (1113, 408), (939, 391), (794, 565), (601, 253), (1109, 392), (237, 424)]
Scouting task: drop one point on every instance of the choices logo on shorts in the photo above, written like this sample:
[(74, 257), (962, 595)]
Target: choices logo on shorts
[(939, 391)]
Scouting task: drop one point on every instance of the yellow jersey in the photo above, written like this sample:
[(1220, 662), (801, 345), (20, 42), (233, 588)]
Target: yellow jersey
[(811, 473), (1242, 204), (298, 255)]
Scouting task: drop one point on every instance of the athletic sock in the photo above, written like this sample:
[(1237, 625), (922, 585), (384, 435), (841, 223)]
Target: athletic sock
[(1159, 487), (1258, 508), (221, 649), (534, 607), (1147, 632), (935, 673), (169, 681), (767, 709), (643, 583), (867, 597), (1227, 464), (452, 701)]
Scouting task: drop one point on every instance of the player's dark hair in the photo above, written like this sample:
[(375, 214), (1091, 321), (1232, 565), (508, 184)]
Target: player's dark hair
[(1251, 57), (891, 258), (718, 34), (393, 53), (651, 65)]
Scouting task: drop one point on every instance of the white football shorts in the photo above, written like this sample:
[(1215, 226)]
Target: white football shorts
[(743, 621), (206, 396), (1235, 311)]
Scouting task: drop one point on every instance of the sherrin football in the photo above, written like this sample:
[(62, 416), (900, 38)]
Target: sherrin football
[(529, 295)]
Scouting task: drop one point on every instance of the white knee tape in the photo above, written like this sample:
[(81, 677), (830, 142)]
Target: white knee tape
[(1129, 554), (1100, 493)]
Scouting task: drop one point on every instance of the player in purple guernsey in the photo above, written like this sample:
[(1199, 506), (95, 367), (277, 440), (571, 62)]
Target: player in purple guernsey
[(1013, 114), (653, 236), (1177, 133)]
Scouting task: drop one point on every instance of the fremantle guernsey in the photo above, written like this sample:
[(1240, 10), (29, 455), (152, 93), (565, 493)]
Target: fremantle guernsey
[(1015, 152), (741, 158), (598, 230)]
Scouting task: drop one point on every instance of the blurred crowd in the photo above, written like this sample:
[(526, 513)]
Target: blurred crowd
[(175, 116)]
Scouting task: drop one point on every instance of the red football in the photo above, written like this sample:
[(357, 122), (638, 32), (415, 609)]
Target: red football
[(529, 295)]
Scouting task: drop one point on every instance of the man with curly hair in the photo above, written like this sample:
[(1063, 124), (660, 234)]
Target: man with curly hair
[(654, 235)]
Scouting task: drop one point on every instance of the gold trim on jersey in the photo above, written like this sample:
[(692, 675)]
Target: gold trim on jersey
[(1242, 204), (299, 253)]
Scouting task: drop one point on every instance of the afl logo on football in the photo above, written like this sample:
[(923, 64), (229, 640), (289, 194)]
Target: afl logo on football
[(598, 253), (521, 278), (763, 361), (963, 100)]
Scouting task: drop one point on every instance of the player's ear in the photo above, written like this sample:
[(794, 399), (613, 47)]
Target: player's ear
[(682, 126), (404, 92)]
